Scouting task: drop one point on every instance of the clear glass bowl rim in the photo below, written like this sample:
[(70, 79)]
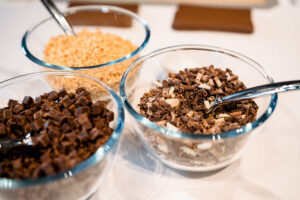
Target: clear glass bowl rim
[(182, 135), (6, 183), (72, 10)]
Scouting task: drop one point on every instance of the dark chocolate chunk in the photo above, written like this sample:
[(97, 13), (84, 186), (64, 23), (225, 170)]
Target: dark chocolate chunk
[(7, 114), (17, 108), (83, 135), (81, 110), (27, 101), (2, 129), (37, 124), (94, 133), (53, 95), (97, 107), (59, 124)]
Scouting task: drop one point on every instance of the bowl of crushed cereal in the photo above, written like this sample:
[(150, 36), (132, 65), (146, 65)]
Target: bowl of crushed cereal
[(72, 135), (108, 39), (170, 97)]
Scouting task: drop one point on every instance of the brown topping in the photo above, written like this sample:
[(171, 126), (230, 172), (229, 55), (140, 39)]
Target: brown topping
[(65, 129), (187, 107), (53, 95), (27, 101), (66, 101), (37, 124)]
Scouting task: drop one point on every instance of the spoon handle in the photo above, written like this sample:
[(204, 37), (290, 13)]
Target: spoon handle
[(59, 17), (4, 144), (10, 142), (262, 90)]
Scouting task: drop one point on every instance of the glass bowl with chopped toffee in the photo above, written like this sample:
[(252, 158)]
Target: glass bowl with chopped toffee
[(108, 39), (72, 136), (170, 97)]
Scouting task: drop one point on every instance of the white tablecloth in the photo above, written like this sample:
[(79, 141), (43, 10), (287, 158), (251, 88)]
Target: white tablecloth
[(269, 169)]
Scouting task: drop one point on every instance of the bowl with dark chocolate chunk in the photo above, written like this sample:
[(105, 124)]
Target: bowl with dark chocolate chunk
[(73, 134), (172, 93)]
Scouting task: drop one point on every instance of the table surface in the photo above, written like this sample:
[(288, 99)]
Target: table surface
[(269, 168)]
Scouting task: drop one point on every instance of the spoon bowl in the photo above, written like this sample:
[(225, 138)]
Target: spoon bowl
[(258, 91)]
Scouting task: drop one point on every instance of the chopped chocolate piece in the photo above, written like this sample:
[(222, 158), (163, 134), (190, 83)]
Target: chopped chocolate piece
[(27, 101), (48, 168), (66, 101), (37, 124), (62, 92), (65, 128), (42, 140), (59, 118), (81, 110), (7, 114), (82, 101), (53, 95), (95, 133), (63, 162), (83, 135), (17, 164), (66, 112), (17, 108), (97, 107), (84, 120), (2, 129), (38, 114), (79, 90), (12, 103)]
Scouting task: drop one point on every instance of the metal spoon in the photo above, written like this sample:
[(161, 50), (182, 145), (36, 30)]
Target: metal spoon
[(59, 17), (257, 91), (10, 142)]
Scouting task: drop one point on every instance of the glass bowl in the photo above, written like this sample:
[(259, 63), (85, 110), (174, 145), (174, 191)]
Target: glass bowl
[(81, 181), (117, 21), (186, 151)]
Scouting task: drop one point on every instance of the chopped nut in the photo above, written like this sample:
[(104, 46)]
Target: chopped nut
[(171, 126), (204, 86), (173, 116), (223, 115), (220, 120), (198, 77), (157, 84), (189, 114), (204, 78), (211, 83), (232, 78), (172, 102), (217, 81), (207, 105), (188, 151), (163, 148), (171, 91), (161, 123), (237, 113), (211, 98), (204, 146)]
